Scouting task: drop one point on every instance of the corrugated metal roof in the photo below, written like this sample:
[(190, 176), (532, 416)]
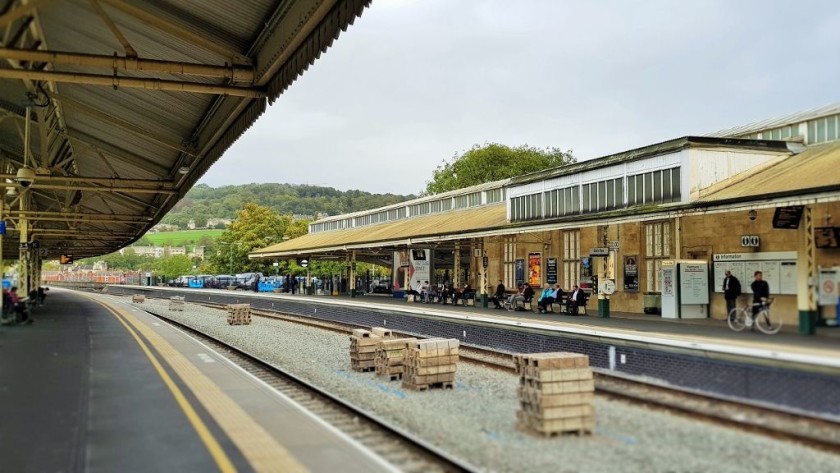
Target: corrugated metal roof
[(420, 200), (813, 170), (784, 120), (448, 223), (647, 151), (129, 138)]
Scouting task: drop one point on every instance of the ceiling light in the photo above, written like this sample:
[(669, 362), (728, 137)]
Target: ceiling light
[(183, 170)]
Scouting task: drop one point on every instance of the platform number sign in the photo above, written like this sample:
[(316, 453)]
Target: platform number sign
[(750, 241)]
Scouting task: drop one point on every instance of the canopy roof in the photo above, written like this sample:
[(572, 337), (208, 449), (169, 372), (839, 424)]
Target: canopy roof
[(126, 104)]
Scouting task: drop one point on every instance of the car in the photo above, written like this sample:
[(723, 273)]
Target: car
[(247, 281)]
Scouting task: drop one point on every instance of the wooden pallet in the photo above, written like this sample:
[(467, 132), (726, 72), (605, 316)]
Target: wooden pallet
[(176, 303), (425, 387)]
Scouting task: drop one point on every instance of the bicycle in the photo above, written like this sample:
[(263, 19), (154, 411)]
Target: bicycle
[(741, 317)]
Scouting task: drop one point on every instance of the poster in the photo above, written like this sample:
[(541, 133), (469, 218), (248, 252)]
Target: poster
[(551, 271), (417, 263), (586, 281), (519, 267), (631, 273), (535, 269)]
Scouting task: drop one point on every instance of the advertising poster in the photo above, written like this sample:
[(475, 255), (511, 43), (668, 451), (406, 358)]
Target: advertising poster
[(586, 281), (418, 265), (535, 269), (519, 268), (551, 271), (631, 273)]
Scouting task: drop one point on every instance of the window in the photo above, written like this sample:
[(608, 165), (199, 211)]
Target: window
[(474, 199), (603, 195), (571, 258), (494, 195), (435, 206), (446, 204), (461, 202), (509, 262), (824, 129), (657, 249), (653, 187)]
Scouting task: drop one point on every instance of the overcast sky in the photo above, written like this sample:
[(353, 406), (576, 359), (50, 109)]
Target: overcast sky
[(414, 82)]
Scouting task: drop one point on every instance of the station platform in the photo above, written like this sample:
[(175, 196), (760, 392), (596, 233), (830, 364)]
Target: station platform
[(94, 385)]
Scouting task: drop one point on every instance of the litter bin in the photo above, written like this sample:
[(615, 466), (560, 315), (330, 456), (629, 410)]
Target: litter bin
[(481, 299), (653, 303)]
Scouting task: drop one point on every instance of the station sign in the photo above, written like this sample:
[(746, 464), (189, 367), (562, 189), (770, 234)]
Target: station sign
[(599, 251), (613, 245), (750, 241)]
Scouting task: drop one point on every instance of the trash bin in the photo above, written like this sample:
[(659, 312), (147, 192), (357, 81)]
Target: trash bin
[(653, 303), (481, 299)]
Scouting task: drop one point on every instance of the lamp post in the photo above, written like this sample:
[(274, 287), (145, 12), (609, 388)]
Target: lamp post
[(230, 244)]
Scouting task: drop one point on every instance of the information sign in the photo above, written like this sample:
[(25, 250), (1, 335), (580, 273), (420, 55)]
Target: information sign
[(787, 217), (551, 271)]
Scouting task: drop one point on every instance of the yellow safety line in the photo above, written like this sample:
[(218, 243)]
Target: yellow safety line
[(258, 447), (216, 450)]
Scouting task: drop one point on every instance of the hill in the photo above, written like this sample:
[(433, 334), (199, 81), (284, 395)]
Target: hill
[(187, 238), (203, 202)]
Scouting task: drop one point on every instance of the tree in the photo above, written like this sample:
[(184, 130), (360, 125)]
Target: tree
[(173, 266), (255, 227), (493, 162)]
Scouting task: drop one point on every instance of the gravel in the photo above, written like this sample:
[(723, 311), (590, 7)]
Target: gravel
[(477, 420)]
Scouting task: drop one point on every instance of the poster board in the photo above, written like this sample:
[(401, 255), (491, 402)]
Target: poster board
[(418, 263), (631, 273), (535, 269), (694, 283), (551, 271), (779, 268), (519, 267)]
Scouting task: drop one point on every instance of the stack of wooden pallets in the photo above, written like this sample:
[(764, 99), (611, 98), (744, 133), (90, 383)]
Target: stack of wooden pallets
[(239, 314), (363, 345), (389, 356), (138, 298), (176, 303), (430, 364), (556, 393)]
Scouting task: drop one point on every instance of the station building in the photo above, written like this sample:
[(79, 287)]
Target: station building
[(759, 197)]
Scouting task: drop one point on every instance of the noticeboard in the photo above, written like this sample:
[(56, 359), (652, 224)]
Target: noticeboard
[(778, 268), (787, 217), (551, 271), (827, 237)]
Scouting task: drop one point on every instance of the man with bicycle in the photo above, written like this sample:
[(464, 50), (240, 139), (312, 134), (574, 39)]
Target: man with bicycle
[(761, 292)]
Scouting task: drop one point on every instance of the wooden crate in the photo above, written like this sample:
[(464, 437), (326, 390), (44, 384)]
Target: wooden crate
[(556, 393), (138, 298), (430, 364), (390, 354), (239, 314), (176, 303)]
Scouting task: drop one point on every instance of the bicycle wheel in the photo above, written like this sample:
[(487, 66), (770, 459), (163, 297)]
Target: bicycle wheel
[(767, 322), (737, 319)]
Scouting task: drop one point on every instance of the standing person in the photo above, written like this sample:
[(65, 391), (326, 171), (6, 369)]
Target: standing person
[(499, 296), (760, 290), (424, 292), (731, 290), (576, 299)]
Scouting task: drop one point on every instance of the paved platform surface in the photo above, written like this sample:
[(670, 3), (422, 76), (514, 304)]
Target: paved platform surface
[(87, 388)]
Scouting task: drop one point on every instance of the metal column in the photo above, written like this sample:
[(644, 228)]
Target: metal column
[(456, 271), (806, 257)]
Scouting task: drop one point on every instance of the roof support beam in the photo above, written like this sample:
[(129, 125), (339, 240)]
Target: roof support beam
[(177, 30), (123, 63), (19, 12), (129, 51), (153, 184), (132, 82), (129, 190)]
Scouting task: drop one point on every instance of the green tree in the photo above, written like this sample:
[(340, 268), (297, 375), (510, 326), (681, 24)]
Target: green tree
[(254, 227), (171, 267), (493, 162)]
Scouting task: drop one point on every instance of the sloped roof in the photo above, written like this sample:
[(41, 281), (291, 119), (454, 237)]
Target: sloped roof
[(813, 170), (132, 102), (776, 122), (394, 233)]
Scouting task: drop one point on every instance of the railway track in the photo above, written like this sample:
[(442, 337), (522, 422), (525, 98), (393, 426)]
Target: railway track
[(814, 432), (399, 448)]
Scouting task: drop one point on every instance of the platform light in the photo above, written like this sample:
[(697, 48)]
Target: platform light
[(753, 215)]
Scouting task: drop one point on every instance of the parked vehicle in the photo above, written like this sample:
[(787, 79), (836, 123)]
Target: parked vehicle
[(247, 281)]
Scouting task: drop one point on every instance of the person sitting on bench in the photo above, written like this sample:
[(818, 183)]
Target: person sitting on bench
[(546, 298), (464, 294), (499, 296), (576, 298)]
